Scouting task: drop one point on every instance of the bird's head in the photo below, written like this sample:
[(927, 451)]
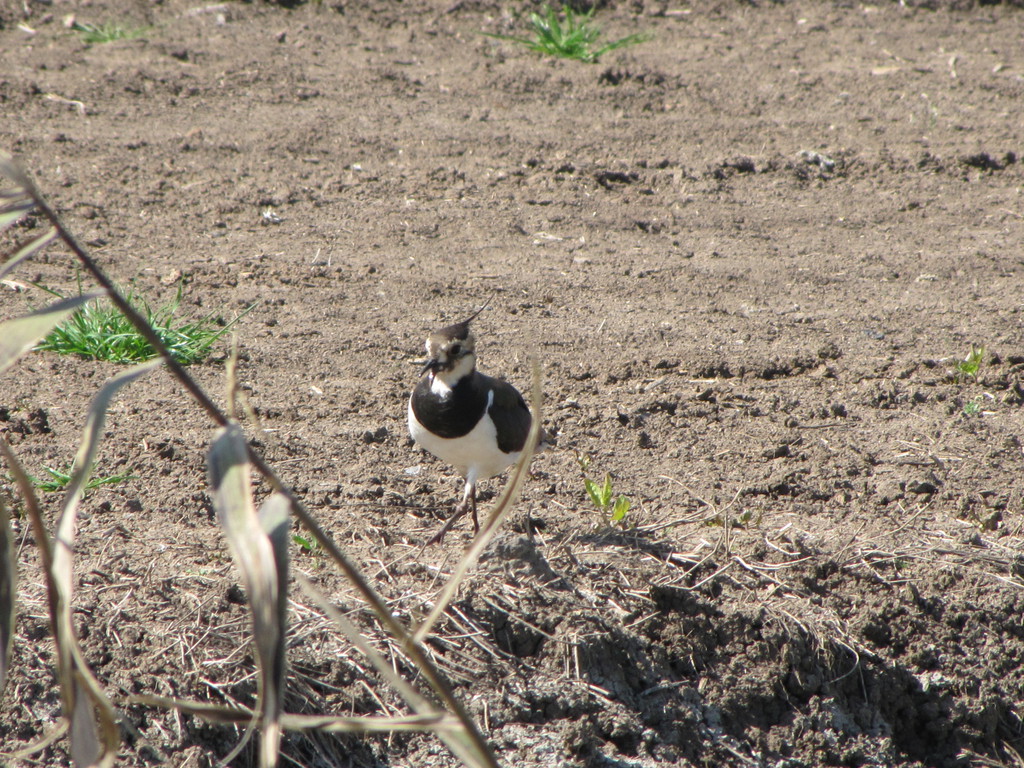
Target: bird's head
[(451, 352)]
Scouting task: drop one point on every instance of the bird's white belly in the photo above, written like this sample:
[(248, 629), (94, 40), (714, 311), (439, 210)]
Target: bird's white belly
[(475, 455)]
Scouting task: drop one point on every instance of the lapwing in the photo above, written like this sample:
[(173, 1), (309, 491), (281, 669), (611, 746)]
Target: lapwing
[(473, 421)]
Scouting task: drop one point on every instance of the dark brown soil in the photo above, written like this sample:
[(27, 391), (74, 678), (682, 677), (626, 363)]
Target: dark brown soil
[(748, 253)]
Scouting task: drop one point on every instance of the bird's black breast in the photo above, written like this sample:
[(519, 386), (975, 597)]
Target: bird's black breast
[(452, 416)]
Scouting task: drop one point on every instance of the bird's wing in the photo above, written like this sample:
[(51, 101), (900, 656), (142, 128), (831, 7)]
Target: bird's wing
[(510, 415)]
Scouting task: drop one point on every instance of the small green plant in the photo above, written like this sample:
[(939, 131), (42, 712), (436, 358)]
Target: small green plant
[(572, 40), (968, 367), (58, 480), (100, 331), (307, 544), (106, 33), (972, 408), (614, 509)]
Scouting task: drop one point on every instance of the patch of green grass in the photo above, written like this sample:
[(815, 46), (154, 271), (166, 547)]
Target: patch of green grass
[(613, 509), (100, 332), (574, 38), (58, 480), (106, 33)]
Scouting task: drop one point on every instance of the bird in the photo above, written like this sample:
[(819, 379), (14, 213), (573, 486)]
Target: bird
[(475, 422)]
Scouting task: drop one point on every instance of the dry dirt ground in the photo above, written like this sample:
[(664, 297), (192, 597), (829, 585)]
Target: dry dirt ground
[(748, 253)]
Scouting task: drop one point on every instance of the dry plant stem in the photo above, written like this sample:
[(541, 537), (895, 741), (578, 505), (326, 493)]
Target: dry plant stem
[(329, 723), (409, 645)]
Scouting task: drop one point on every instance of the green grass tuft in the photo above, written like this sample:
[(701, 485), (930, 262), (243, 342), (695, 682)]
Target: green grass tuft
[(106, 33), (100, 332), (58, 480), (573, 39)]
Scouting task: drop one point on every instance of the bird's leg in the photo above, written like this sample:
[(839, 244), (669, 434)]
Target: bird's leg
[(472, 508), (468, 504)]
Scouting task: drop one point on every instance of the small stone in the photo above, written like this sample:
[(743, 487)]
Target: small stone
[(377, 436), (778, 452), (921, 487)]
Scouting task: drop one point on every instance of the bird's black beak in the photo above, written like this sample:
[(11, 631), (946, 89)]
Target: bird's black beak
[(433, 364)]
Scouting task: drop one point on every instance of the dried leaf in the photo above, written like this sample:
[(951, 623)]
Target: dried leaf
[(85, 744), (16, 199), (13, 205), (78, 685), (18, 336), (8, 590), (254, 554), (10, 171), (26, 249)]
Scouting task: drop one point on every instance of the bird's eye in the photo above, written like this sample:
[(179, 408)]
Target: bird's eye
[(455, 350)]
